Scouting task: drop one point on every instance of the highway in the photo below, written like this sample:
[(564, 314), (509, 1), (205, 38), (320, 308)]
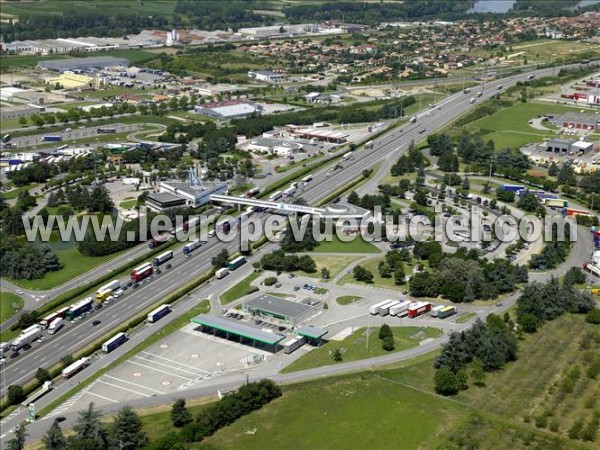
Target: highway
[(185, 269)]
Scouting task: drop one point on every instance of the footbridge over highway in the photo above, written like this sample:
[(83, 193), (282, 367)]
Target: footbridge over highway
[(334, 211)]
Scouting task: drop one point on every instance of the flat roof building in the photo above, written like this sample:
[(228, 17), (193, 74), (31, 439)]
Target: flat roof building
[(179, 193), (267, 76), (281, 310), (577, 120), (95, 62), (228, 110), (566, 146), (276, 146)]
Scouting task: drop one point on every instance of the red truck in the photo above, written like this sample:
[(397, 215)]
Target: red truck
[(418, 308)]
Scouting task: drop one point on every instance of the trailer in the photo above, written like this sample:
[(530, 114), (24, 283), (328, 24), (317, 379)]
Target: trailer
[(77, 366), (54, 138), (46, 387), (191, 246), (222, 273), (400, 309), (436, 310), (289, 192), (418, 309), (106, 290), (373, 310), (472, 100), (237, 262), (413, 119), (275, 196), (307, 179), (369, 144), (347, 156), (466, 90), (159, 313), (252, 192), (592, 268), (79, 308), (447, 311), (56, 325), (141, 272), (163, 258), (575, 212), (384, 309), (293, 344), (114, 342), (512, 187), (26, 338), (4, 346)]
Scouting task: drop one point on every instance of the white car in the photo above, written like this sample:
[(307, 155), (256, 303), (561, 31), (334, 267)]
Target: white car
[(19, 291)]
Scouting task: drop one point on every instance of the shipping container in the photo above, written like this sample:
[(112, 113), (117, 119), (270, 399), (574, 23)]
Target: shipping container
[(163, 258), (159, 313), (237, 262), (114, 342), (141, 272)]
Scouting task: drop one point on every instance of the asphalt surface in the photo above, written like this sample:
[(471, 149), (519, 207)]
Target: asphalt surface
[(185, 269)]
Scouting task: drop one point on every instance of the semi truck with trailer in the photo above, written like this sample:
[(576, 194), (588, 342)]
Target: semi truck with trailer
[(79, 308), (400, 309), (52, 138), (163, 258), (191, 246), (4, 346), (159, 240), (141, 272), (237, 262), (222, 273), (56, 325), (62, 313), (289, 192), (436, 310), (575, 212), (307, 179), (512, 187), (46, 387), (26, 338), (347, 156), (106, 290), (556, 203), (384, 309), (116, 341), (275, 196), (447, 311), (369, 144), (252, 192), (418, 309), (374, 310), (76, 367), (293, 344), (159, 313)]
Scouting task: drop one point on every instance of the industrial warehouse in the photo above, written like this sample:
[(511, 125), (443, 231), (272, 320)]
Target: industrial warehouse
[(94, 62), (269, 307)]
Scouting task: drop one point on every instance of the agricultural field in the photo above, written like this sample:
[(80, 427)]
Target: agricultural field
[(361, 344)]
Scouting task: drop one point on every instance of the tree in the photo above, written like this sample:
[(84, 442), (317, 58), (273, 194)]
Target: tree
[(90, 428), (593, 316), (385, 271), (22, 121), (126, 430), (16, 394), (18, 442), (337, 355), (180, 415), (553, 169), (445, 382), (362, 274), (574, 276), (43, 375), (387, 343), (325, 274), (399, 275), (466, 184), (221, 259), (478, 372), (54, 438)]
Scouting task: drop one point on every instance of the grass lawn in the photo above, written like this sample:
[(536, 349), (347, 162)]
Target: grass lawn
[(75, 263), (347, 299), (128, 203), (372, 266), (10, 304), (354, 347), (348, 412), (358, 245), (465, 317), (335, 264), (239, 290)]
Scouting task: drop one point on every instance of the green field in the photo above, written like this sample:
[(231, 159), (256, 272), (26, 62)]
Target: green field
[(238, 290), (363, 343), (358, 245), (10, 304), (347, 299), (335, 264), (128, 203), (352, 412), (372, 266)]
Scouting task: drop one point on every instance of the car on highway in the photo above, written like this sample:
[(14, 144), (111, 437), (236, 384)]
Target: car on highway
[(14, 355), (19, 291), (26, 347), (168, 266), (60, 419), (95, 323), (99, 306), (42, 339)]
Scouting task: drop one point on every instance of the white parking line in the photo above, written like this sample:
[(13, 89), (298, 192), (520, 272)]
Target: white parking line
[(102, 396), (124, 388), (175, 362), (171, 366), (135, 384), (157, 370)]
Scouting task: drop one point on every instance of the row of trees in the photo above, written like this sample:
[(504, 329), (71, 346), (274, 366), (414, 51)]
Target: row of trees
[(281, 262), (20, 261)]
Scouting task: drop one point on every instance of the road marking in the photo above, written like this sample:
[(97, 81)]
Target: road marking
[(135, 384), (124, 388), (158, 370), (103, 397), (176, 362), (167, 365)]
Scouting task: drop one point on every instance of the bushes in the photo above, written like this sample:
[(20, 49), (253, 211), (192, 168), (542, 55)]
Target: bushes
[(270, 281), (279, 261), (593, 316)]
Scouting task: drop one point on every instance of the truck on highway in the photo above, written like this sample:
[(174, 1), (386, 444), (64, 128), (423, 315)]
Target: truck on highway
[(347, 156), (160, 240), (141, 272), (480, 93), (114, 342), (499, 87), (472, 100), (447, 311), (191, 246), (46, 321), (77, 366), (275, 196), (418, 309), (466, 90), (413, 119), (26, 338), (4, 346), (221, 273), (56, 325), (237, 262), (289, 192), (163, 258), (369, 144), (79, 308), (106, 290), (158, 313), (307, 179), (293, 344), (252, 192), (400, 309), (52, 138)]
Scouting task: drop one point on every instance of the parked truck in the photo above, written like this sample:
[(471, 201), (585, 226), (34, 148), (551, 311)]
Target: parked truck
[(436, 310), (77, 366), (512, 187), (293, 344), (374, 310), (56, 325), (401, 309), (447, 311), (384, 309), (222, 273), (418, 309), (26, 338), (556, 203)]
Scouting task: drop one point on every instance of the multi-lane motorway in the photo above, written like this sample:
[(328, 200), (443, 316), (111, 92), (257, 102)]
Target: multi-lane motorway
[(185, 269)]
